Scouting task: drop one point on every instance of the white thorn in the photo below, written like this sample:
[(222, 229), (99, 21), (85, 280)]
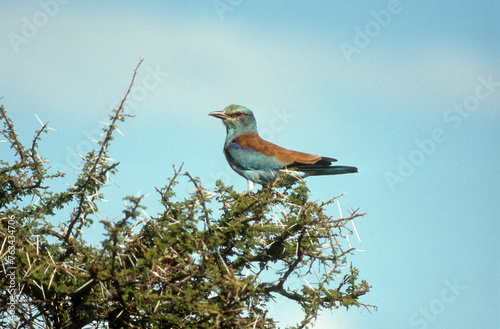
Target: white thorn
[(39, 120), (118, 130), (352, 222), (44, 124), (308, 284)]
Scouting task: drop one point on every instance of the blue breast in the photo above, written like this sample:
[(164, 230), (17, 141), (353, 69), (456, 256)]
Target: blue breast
[(248, 159)]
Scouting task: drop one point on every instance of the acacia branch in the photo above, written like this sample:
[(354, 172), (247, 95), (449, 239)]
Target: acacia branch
[(81, 210), (11, 135)]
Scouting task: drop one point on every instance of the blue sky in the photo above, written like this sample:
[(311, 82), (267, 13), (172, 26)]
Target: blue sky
[(407, 91)]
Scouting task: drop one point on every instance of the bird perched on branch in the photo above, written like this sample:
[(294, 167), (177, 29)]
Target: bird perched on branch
[(260, 161)]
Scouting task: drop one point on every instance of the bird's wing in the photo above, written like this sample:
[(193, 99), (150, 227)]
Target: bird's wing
[(247, 159), (284, 156)]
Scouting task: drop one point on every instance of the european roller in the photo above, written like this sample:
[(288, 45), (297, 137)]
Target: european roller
[(260, 161)]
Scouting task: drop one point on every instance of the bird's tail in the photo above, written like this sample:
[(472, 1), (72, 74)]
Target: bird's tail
[(327, 170)]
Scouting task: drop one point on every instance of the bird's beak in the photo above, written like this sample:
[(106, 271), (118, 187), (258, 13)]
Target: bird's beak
[(218, 114)]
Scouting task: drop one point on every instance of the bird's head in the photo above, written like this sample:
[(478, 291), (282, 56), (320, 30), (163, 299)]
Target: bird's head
[(238, 120)]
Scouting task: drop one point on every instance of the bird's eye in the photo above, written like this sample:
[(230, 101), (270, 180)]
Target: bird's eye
[(237, 114)]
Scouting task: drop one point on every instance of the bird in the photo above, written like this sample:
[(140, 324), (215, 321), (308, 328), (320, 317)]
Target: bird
[(260, 161)]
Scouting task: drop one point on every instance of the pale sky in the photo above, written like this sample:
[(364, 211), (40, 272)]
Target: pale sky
[(407, 91)]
